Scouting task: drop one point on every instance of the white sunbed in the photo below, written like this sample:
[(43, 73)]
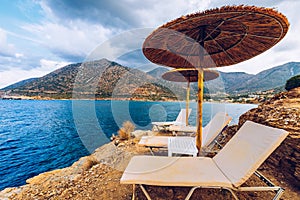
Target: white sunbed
[(180, 120), (210, 132), (229, 169)]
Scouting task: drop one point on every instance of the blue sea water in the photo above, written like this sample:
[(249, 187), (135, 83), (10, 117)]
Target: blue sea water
[(38, 136)]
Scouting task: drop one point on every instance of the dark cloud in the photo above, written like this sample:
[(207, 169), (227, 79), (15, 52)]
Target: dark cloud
[(69, 56), (133, 59), (106, 12), (246, 2), (6, 54), (7, 63)]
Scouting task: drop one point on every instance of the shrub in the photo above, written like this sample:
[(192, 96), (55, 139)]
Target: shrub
[(126, 130), (292, 83)]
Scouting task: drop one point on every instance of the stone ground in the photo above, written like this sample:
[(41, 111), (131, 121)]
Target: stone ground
[(98, 176)]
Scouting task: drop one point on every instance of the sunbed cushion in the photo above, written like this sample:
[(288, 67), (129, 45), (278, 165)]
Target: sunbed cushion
[(247, 150), (214, 127), (154, 141), (174, 171), (162, 123), (180, 120)]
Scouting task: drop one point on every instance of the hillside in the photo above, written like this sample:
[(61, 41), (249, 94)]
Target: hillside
[(97, 79), (158, 72), (227, 81), (123, 82), (268, 79), (56, 84), (19, 84), (243, 83)]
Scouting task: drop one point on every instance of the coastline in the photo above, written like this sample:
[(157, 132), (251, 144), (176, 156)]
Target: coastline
[(282, 111), (122, 99)]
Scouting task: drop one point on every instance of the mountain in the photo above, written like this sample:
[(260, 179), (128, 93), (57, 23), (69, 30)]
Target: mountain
[(227, 81), (158, 72), (56, 84), (241, 83), (269, 79), (19, 84), (107, 79), (100, 79)]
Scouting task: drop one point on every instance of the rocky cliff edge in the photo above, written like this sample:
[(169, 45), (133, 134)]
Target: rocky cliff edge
[(97, 176)]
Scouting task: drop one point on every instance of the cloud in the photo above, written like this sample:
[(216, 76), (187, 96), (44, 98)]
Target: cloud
[(70, 30), (269, 4), (7, 49), (71, 41), (105, 12), (9, 56), (46, 65), (123, 14), (14, 75)]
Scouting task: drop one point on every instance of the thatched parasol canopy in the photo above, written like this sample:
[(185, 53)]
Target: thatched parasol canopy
[(189, 75), (229, 35), (215, 38)]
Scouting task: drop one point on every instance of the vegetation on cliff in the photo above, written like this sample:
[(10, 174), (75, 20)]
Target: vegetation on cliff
[(292, 83)]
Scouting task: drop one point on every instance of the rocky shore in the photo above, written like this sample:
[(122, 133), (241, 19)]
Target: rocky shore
[(97, 176)]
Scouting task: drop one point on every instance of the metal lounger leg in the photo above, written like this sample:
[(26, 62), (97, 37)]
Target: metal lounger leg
[(270, 184), (190, 193), (278, 194), (149, 198), (145, 192), (133, 192), (194, 188), (232, 193), (151, 151)]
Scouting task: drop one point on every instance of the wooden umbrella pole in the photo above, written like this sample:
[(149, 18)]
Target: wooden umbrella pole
[(200, 99), (200, 40), (187, 104)]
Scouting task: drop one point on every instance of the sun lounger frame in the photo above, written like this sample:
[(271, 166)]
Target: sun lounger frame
[(221, 167), (270, 187), (180, 120), (207, 148)]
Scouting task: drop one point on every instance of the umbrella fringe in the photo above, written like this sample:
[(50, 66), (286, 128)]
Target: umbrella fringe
[(241, 8)]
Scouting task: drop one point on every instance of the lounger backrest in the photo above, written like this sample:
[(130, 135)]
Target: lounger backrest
[(180, 120), (215, 127), (247, 150)]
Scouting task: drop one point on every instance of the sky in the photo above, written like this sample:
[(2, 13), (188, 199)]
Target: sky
[(39, 36)]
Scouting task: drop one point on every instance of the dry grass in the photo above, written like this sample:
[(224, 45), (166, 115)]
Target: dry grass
[(126, 130)]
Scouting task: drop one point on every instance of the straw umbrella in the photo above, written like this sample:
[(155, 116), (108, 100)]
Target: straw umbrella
[(215, 38), (189, 75)]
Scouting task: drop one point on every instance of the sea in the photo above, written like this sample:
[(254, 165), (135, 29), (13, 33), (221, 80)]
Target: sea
[(37, 135)]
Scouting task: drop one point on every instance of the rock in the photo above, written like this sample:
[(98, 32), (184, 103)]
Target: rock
[(139, 133), (116, 142), (122, 144), (7, 192), (43, 177), (113, 156), (84, 164), (282, 111), (113, 137)]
